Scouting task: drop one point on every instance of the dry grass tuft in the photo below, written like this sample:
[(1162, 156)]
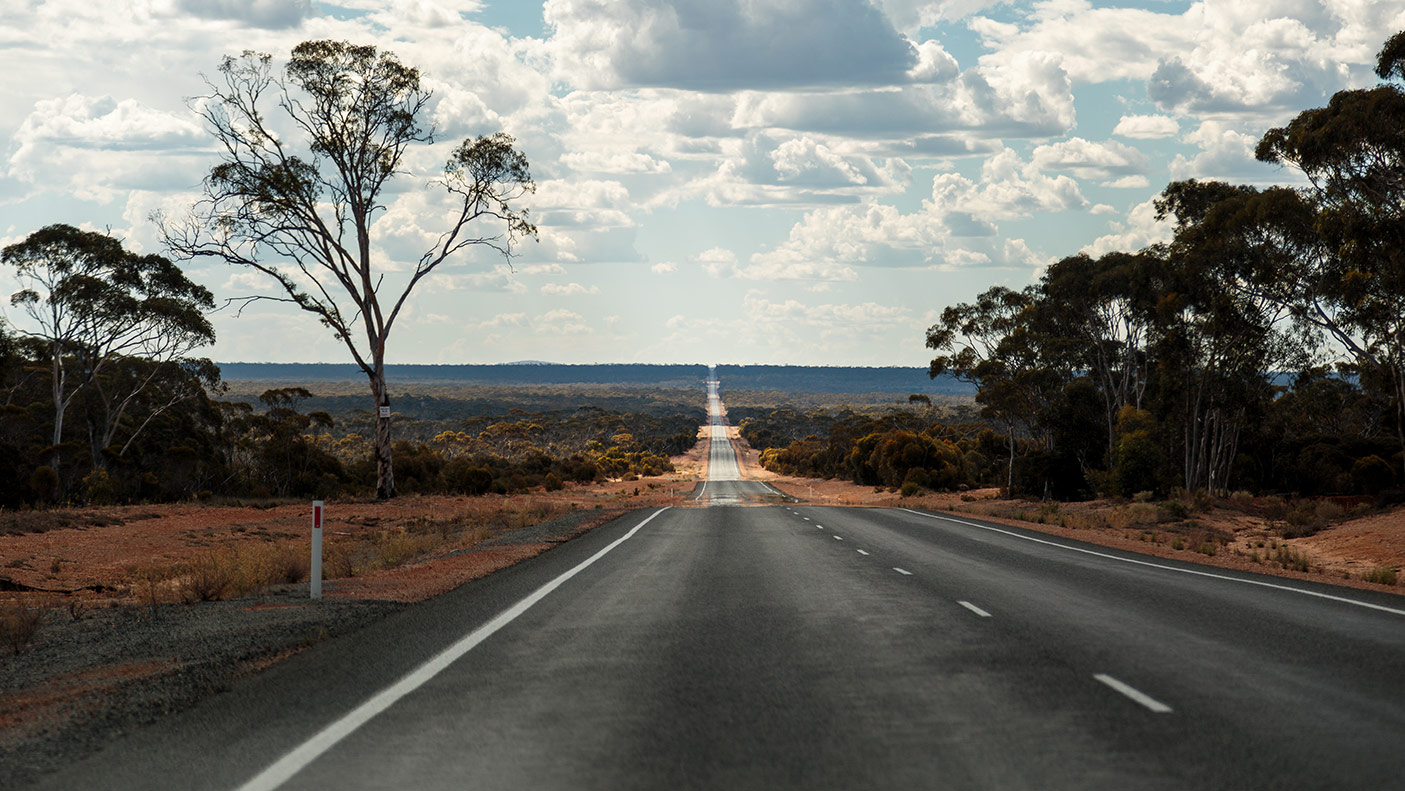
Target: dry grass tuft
[(1381, 575)]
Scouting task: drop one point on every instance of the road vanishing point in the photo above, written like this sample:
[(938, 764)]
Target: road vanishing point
[(748, 640)]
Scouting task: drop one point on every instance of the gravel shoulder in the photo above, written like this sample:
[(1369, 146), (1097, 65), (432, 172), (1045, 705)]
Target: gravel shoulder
[(92, 675)]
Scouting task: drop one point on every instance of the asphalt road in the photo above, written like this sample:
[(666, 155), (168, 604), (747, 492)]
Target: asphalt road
[(725, 484), (786, 646)]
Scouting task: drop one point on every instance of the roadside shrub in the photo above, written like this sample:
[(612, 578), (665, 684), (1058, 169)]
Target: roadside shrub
[(1329, 512), (210, 577), (98, 488), (1201, 501), (44, 482), (1137, 458), (552, 483), (460, 475), (287, 562), (1173, 510), (1371, 474), (910, 489), (1302, 520), (1290, 558), (18, 626), (1241, 500), (1381, 575), (1141, 513), (582, 471)]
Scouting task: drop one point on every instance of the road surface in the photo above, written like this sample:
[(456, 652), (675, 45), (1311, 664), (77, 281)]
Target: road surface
[(788, 646), (725, 484)]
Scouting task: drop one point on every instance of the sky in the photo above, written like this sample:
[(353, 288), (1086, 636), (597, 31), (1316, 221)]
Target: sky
[(800, 182)]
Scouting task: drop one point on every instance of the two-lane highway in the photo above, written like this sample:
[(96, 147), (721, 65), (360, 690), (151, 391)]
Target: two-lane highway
[(724, 483), (789, 646)]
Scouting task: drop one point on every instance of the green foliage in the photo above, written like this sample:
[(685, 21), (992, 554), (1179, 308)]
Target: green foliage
[(1193, 335), (304, 164), (1371, 474), (98, 488), (1138, 458), (890, 451), (44, 482), (464, 477)]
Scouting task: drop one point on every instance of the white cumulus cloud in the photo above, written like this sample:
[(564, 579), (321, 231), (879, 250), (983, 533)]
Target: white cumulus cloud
[(1146, 127)]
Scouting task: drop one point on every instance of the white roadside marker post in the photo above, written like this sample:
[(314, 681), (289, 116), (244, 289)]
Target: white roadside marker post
[(316, 573)]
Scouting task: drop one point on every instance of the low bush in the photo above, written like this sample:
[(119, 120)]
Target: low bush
[(1328, 512), (1381, 575), (1241, 500), (210, 577), (18, 626), (1290, 558), (1172, 510)]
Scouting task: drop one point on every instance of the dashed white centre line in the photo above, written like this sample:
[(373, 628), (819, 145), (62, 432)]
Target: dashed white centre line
[(1290, 589), (973, 608), (1135, 694), (819, 527), (806, 518), (838, 538), (904, 572), (861, 552)]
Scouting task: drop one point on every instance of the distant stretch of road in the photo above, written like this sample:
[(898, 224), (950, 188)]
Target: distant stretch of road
[(787, 646), (725, 484)]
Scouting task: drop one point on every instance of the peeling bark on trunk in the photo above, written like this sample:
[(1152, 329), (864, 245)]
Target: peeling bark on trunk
[(385, 470), (60, 404)]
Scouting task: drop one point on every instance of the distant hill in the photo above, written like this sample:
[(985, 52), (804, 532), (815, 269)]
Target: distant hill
[(784, 378)]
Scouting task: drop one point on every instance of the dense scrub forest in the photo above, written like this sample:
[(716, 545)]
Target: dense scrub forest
[(181, 439), (1262, 348), (1165, 368), (104, 404), (912, 449)]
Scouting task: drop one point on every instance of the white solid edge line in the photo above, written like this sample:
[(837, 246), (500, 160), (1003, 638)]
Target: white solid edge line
[(902, 571), (1289, 588), (973, 608), (284, 768), (701, 491), (1134, 693)]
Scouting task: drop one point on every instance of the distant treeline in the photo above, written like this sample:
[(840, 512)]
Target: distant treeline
[(507, 374), (838, 379)]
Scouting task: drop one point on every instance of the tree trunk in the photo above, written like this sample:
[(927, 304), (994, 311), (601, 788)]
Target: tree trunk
[(60, 405), (385, 471), (1010, 470), (1398, 379)]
